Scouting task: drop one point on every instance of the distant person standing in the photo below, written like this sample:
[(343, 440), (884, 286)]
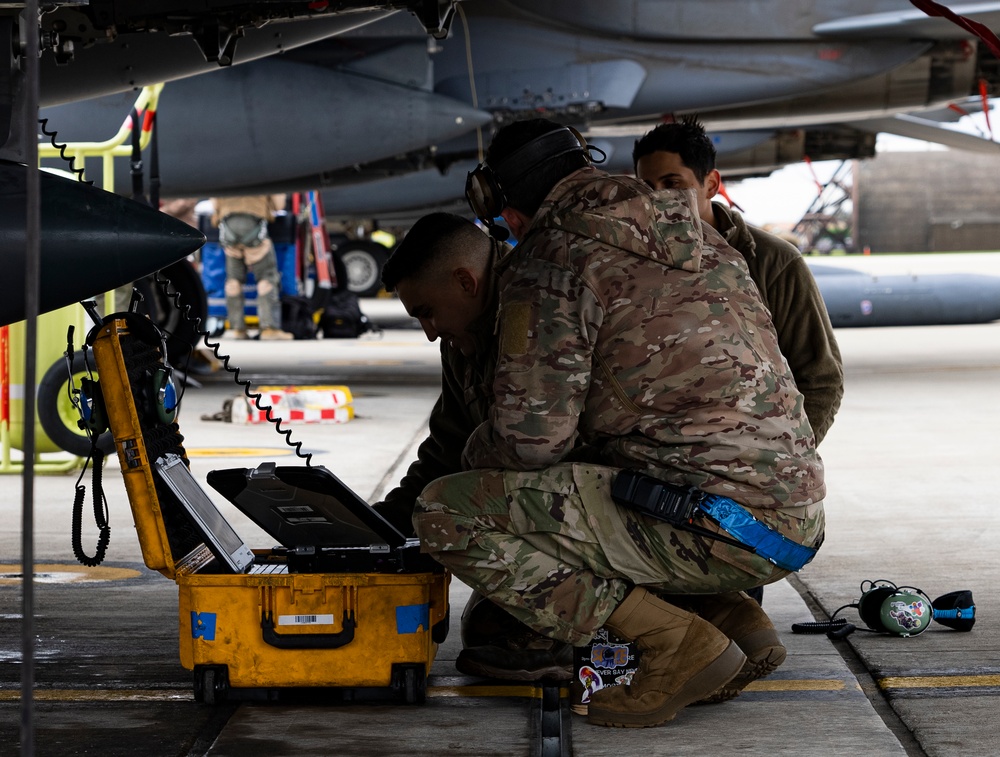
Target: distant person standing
[(242, 223)]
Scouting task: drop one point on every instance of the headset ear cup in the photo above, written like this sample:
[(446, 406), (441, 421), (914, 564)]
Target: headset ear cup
[(164, 395), (579, 136), (956, 609), (870, 607), (907, 612), (482, 193), (94, 414)]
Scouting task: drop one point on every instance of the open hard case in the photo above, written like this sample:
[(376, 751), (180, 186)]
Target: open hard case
[(340, 600)]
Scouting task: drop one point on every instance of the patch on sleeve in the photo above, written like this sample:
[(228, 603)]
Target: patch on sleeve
[(514, 320)]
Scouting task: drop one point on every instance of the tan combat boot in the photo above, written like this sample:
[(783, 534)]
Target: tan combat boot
[(744, 621), (684, 659)]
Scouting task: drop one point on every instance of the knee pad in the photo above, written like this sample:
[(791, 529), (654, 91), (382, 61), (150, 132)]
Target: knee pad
[(233, 288)]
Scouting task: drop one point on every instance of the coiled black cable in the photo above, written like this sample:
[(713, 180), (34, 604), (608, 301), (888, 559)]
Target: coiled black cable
[(255, 397), (100, 514), (61, 147)]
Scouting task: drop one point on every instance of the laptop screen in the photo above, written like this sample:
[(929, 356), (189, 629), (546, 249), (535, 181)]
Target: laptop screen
[(304, 506), (224, 542)]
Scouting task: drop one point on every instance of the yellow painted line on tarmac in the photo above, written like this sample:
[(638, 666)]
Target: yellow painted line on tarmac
[(938, 682), (524, 692), (174, 695), (805, 684), (99, 695), (53, 573), (239, 451)]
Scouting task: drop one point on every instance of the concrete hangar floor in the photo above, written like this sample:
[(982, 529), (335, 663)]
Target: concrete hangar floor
[(910, 464)]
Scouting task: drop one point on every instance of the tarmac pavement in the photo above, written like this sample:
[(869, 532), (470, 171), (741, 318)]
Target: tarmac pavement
[(910, 466)]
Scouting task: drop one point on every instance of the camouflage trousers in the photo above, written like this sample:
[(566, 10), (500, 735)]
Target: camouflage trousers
[(265, 271), (552, 548)]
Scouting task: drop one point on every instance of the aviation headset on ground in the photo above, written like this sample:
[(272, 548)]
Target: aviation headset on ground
[(898, 610), (484, 187)]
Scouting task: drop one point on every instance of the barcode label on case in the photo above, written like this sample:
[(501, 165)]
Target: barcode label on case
[(305, 620)]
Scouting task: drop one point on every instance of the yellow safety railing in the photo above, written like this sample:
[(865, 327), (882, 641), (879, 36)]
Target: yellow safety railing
[(52, 349), (145, 105)]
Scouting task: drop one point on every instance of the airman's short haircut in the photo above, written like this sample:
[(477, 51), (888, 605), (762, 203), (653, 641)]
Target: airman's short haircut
[(686, 138), (434, 241)]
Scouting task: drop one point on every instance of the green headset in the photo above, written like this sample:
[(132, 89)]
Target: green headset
[(898, 610), (157, 396), (484, 186)]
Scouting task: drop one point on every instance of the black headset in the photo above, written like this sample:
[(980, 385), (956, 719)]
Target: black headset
[(93, 413), (158, 393), (484, 187), (898, 610)]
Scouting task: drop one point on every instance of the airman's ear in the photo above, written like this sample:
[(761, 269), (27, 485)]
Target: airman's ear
[(713, 180), (467, 280)]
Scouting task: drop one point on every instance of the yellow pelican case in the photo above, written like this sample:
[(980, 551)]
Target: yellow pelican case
[(255, 634)]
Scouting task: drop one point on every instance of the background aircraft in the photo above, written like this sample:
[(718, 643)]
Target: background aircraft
[(388, 122), (774, 81), (103, 46)]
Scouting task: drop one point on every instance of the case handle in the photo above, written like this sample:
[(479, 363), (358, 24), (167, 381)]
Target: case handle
[(307, 640)]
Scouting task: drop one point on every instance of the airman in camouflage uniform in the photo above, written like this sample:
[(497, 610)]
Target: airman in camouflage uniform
[(624, 329), (631, 337), (466, 379), (680, 155)]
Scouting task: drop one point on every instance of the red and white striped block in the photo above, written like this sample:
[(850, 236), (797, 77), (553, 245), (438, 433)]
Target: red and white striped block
[(318, 404), (304, 415)]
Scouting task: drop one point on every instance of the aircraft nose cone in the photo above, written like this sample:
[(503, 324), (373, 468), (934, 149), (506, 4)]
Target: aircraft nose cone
[(92, 241)]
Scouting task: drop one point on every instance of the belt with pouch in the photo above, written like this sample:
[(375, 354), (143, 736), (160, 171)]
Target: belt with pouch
[(679, 506)]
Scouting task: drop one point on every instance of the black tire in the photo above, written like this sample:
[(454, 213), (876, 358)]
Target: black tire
[(410, 683), (182, 335), (214, 685), (208, 686), (58, 416), (363, 261), (198, 685)]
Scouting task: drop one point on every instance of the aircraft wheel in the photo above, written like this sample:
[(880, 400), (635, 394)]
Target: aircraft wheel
[(182, 335), (363, 261), (57, 414)]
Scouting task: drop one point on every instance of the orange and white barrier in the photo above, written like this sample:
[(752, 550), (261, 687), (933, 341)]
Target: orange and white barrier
[(313, 404)]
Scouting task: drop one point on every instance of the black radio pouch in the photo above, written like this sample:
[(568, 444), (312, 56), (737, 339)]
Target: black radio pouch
[(637, 491), (672, 504)]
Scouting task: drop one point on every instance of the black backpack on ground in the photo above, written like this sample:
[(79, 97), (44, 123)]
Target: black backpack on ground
[(341, 317), (297, 317)]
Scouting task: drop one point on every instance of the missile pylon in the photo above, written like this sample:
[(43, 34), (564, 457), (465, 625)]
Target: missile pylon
[(92, 241)]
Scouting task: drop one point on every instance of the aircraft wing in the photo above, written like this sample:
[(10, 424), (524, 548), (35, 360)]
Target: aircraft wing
[(94, 48), (914, 127), (911, 23)]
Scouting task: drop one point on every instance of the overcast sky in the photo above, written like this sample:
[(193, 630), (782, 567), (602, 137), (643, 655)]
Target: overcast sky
[(784, 196)]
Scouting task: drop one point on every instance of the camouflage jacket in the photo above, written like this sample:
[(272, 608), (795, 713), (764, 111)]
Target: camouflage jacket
[(789, 291), (625, 329)]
